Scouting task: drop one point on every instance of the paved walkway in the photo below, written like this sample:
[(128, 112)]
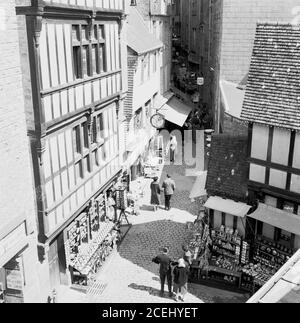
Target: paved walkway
[(130, 276)]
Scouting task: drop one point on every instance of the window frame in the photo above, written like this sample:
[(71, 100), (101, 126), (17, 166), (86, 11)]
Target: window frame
[(94, 39)]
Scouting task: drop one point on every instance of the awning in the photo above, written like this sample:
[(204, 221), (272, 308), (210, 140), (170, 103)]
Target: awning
[(227, 206), (284, 286), (139, 38), (176, 111), (198, 189), (277, 218), (233, 98)]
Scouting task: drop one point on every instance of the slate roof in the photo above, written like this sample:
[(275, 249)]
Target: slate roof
[(227, 167), (139, 38), (273, 87)]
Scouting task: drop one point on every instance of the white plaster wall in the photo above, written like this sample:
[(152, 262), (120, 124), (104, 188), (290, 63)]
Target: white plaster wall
[(296, 160), (278, 178), (257, 173), (281, 146), (295, 184), (260, 138), (144, 92)]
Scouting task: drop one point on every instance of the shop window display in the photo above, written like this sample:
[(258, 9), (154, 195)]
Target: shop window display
[(223, 256), (90, 240)]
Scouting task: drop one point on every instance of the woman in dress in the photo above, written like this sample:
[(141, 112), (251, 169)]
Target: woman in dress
[(181, 276), (155, 193)]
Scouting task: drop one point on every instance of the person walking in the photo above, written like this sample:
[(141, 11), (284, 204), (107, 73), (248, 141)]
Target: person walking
[(155, 193), (172, 148), (181, 275), (165, 270), (169, 189)]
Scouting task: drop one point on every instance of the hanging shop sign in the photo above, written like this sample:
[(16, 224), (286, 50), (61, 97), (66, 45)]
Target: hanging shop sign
[(200, 80), (14, 279), (158, 121)]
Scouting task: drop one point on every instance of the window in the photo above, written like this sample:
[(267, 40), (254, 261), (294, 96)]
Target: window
[(85, 135), (87, 164), (95, 159), (79, 170), (88, 54), (77, 140)]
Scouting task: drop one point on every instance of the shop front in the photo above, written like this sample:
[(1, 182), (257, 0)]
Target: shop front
[(84, 245), (223, 253), (12, 278), (143, 153)]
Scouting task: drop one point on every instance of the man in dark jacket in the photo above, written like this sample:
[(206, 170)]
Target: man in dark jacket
[(169, 188), (165, 270)]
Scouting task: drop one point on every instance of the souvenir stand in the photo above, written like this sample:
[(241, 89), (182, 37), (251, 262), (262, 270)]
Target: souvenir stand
[(89, 240), (267, 258), (216, 256), (223, 257)]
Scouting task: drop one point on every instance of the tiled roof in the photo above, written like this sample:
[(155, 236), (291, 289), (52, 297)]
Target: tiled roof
[(273, 87), (139, 38), (227, 167)]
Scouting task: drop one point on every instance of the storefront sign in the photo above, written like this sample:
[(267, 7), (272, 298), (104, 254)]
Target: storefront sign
[(12, 239), (14, 279)]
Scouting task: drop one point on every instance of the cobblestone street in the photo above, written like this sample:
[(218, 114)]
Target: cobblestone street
[(131, 276)]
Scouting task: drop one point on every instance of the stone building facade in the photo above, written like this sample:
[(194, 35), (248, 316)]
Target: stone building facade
[(19, 267)]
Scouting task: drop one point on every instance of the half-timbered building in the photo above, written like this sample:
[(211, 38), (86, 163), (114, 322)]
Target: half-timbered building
[(271, 108), (75, 56)]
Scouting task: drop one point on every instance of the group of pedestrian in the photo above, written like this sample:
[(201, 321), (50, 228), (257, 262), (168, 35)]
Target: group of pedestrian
[(175, 272), (168, 187)]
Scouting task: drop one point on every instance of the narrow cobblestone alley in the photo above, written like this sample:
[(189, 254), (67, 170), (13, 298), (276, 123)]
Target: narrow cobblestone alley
[(131, 277)]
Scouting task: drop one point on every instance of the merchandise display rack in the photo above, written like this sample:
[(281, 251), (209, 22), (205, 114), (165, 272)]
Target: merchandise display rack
[(92, 256), (268, 258)]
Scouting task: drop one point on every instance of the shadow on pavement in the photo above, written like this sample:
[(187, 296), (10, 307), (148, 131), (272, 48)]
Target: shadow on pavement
[(152, 291)]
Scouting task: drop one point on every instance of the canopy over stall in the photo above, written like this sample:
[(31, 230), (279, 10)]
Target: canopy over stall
[(176, 111), (277, 218), (227, 206)]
